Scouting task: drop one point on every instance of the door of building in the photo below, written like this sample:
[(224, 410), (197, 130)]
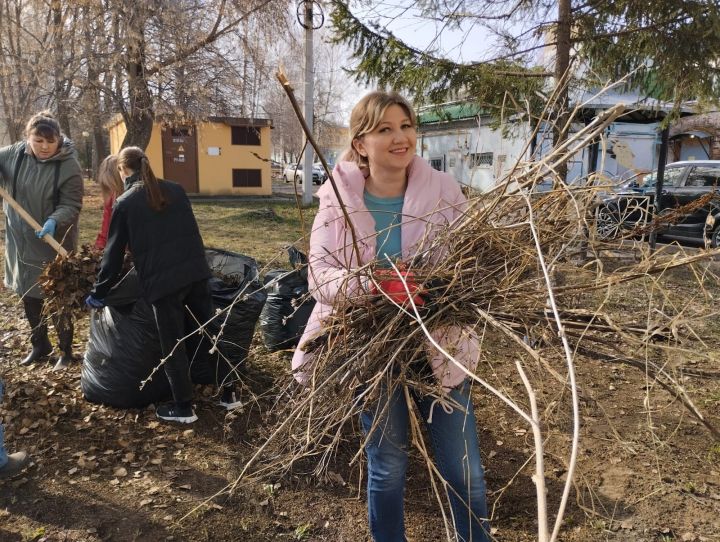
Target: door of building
[(180, 163)]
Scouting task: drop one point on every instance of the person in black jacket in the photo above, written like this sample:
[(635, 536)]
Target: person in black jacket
[(154, 219)]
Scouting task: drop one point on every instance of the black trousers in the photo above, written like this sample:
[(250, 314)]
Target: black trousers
[(177, 315), (38, 328)]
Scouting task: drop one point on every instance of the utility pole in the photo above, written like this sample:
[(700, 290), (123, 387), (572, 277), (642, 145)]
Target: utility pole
[(307, 191), (659, 181)]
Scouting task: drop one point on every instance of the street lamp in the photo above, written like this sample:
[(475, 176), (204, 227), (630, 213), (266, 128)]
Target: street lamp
[(88, 152)]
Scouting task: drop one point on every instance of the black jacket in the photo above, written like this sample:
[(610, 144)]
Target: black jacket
[(166, 245)]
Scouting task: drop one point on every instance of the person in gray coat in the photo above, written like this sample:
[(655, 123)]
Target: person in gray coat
[(43, 175)]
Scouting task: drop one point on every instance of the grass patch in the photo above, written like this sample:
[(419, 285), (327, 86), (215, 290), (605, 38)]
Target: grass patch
[(255, 228), (260, 229), (91, 214), (713, 455)]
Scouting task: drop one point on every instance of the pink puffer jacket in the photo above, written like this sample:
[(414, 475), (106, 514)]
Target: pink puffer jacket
[(432, 201)]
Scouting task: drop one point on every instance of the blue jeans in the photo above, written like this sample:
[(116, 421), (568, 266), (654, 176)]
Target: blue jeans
[(3, 451), (457, 455)]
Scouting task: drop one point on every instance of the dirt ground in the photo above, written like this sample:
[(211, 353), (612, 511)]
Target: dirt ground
[(647, 470)]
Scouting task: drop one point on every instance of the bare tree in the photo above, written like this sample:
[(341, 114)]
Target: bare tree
[(287, 133), (335, 91), (180, 60), (24, 42)]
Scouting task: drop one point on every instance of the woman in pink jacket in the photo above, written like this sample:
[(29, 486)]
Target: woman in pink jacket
[(397, 203)]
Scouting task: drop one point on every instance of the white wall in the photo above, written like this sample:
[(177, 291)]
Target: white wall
[(629, 149), (454, 148), (626, 149), (692, 149), (633, 149)]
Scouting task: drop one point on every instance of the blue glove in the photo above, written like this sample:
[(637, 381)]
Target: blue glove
[(48, 227), (93, 303)]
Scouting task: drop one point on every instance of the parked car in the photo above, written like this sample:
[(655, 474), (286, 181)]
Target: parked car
[(624, 206), (295, 172), (643, 183), (684, 183), (695, 187)]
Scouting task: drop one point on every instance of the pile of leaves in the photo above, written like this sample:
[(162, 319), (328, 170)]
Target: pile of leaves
[(66, 281)]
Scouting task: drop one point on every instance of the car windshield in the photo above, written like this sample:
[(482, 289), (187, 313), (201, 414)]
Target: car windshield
[(648, 181), (627, 185), (640, 182)]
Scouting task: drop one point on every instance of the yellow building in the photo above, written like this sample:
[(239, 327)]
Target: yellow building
[(220, 156)]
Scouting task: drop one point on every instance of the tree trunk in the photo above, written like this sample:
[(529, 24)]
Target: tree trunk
[(60, 83), (140, 115), (562, 63), (19, 97)]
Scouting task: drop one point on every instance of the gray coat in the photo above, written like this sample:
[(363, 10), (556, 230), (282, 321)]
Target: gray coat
[(25, 254)]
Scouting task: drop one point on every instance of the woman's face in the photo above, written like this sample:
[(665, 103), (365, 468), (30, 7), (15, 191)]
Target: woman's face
[(125, 171), (43, 148), (391, 145)]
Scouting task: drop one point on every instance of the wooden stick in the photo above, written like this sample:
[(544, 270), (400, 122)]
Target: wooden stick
[(539, 476), (49, 239), (287, 87)]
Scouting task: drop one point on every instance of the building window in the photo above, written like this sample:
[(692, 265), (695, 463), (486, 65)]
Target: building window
[(246, 178), (481, 159), (245, 135), (438, 163), (180, 132)]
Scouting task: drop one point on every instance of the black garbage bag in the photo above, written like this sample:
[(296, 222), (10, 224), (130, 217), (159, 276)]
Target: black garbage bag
[(288, 306), (123, 346), (122, 350), (234, 275)]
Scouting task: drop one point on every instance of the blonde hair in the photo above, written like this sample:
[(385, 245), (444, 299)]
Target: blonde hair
[(367, 115), (134, 159), (108, 177)]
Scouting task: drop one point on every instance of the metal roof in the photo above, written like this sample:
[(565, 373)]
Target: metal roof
[(241, 121), (449, 112)]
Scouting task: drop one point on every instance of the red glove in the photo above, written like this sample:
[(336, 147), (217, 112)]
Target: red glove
[(390, 284)]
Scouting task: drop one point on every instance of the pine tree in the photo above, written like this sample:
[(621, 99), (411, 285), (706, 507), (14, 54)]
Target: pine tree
[(671, 49), (390, 63)]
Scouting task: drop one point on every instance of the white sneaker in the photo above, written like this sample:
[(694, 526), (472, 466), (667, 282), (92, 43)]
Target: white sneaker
[(174, 413), (229, 400)]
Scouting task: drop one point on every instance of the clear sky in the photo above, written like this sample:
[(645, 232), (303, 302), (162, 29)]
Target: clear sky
[(467, 42), (463, 44)]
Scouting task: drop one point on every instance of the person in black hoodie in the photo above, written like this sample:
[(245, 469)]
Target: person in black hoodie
[(153, 218)]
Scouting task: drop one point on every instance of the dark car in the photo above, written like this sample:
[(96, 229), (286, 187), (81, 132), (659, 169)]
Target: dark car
[(642, 184), (694, 188), (625, 206), (684, 183)]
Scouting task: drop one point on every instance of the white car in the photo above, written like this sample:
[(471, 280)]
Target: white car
[(290, 172)]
